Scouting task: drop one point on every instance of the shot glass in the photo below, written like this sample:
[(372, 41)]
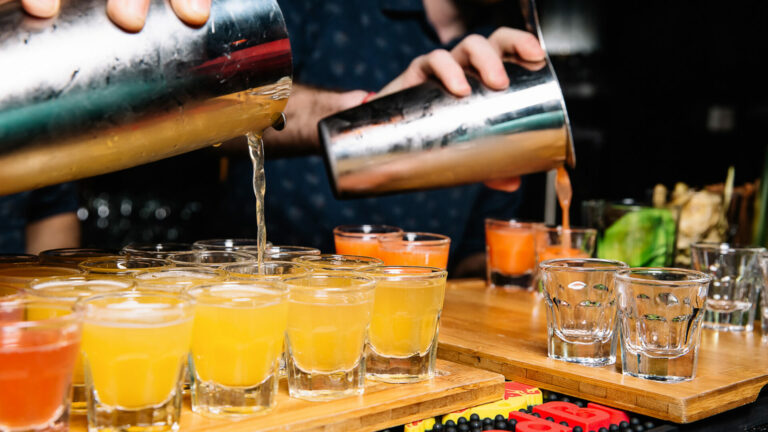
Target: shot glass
[(737, 277), (237, 341), (228, 244), (402, 343), (122, 266), (362, 239), (415, 249), (10, 312), (660, 315), (335, 262), (177, 279), (37, 359), (135, 347), (556, 242), (510, 253), (20, 275), (210, 258), (15, 259), (328, 319), (71, 257), (68, 290), (581, 309), (274, 270), (155, 250), (288, 253)]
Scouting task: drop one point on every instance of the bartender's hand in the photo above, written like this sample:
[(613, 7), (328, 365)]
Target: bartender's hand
[(478, 53), (128, 14)]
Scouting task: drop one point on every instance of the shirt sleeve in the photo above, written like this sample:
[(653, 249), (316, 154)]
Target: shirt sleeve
[(51, 201)]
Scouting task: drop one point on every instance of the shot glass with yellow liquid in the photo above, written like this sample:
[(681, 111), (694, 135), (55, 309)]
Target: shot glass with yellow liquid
[(177, 279), (402, 342), (237, 341), (68, 290), (15, 259), (19, 275), (337, 262), (135, 348), (72, 257), (328, 319), (122, 266)]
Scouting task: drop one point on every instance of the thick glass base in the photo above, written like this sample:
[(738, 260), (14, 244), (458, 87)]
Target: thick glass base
[(325, 386), (161, 418), (671, 370), (500, 280), (589, 353), (211, 399), (415, 368), (735, 320)]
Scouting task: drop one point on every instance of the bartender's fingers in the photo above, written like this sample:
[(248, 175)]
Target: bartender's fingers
[(512, 41), (192, 12), (439, 63), (477, 52), (128, 14), (40, 8), (510, 184)]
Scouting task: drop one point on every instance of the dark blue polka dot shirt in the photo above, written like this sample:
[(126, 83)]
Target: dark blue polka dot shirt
[(359, 44)]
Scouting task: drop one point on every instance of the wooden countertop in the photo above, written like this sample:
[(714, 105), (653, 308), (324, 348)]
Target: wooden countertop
[(506, 332), (382, 406)]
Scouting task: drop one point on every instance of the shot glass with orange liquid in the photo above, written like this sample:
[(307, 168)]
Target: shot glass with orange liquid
[(557, 242), (510, 253), (37, 359), (362, 239), (415, 249)]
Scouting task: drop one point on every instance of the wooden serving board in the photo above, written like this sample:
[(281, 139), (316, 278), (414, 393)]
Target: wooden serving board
[(382, 406), (506, 332)]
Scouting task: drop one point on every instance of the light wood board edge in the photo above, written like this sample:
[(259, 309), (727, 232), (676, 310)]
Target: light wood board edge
[(671, 409)]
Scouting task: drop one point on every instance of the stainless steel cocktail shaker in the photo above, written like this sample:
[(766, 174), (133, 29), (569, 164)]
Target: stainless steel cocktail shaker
[(424, 137), (80, 97)]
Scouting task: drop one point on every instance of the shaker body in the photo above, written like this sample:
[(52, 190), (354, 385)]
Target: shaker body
[(81, 97)]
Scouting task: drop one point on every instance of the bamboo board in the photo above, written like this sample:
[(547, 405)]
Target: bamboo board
[(506, 332), (382, 406)]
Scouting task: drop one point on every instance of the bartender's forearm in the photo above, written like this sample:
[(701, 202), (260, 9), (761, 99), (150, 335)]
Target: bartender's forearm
[(306, 106)]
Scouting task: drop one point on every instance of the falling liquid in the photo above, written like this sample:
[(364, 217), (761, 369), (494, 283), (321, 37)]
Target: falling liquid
[(256, 151), (564, 195)]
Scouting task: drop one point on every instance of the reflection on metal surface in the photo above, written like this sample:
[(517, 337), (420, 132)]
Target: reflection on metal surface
[(80, 97), (424, 137)]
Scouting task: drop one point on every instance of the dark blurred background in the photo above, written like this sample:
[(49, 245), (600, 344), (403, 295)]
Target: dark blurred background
[(657, 92)]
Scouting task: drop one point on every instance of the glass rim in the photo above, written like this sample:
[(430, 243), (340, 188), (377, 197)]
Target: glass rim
[(289, 249), (436, 239), (318, 260), (349, 230), (138, 247), (559, 229), (726, 247), (72, 252), (199, 252), (73, 281), (9, 259), (181, 301), (513, 223), (73, 317), (699, 278), (93, 264), (65, 271), (610, 265), (368, 284), (428, 272), (216, 244), (201, 269), (228, 266), (276, 289)]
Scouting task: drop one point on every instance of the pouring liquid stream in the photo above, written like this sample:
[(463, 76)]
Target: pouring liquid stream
[(256, 151), (564, 195)]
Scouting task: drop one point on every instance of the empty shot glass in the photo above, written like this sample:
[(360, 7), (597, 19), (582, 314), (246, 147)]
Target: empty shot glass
[(510, 253), (361, 239), (68, 290), (328, 319), (660, 316), (737, 277), (556, 242), (581, 309), (135, 347), (402, 344), (237, 341), (37, 358), (155, 250)]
